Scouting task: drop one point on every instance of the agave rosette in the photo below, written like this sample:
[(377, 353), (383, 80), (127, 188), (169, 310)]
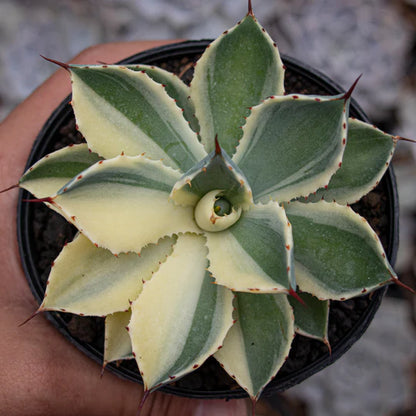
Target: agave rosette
[(191, 210)]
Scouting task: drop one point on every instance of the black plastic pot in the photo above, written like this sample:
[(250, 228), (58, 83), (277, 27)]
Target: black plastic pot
[(348, 320)]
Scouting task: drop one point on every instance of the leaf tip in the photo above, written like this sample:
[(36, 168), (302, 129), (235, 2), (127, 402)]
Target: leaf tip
[(142, 402), (405, 139), (328, 345), (296, 296), (348, 94), (217, 146), (30, 317), (61, 64), (250, 9), (47, 199), (396, 281), (9, 188), (103, 368)]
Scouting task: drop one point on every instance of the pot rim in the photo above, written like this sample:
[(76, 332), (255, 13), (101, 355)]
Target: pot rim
[(158, 54)]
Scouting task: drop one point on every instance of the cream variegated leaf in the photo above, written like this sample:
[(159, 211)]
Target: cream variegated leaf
[(311, 316), (259, 342), (117, 343), (123, 204), (120, 110), (337, 254), (181, 317), (88, 280), (366, 158), (256, 253), (308, 134), (215, 171), (54, 170), (237, 71), (175, 88)]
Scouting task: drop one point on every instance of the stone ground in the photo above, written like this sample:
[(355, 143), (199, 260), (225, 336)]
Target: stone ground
[(342, 39)]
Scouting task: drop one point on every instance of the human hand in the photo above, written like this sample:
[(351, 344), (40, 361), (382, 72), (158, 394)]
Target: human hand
[(42, 373)]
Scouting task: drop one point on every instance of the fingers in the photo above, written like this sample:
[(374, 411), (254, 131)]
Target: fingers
[(168, 405), (19, 130)]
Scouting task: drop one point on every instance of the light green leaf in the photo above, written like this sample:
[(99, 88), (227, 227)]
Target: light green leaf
[(123, 203), (175, 88), (337, 254), (237, 71), (216, 171), (311, 317), (117, 344), (259, 342), (181, 318), (366, 158), (54, 170), (309, 134), (87, 280), (120, 110), (256, 253)]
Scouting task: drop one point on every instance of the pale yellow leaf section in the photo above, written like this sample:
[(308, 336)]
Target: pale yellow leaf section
[(124, 218), (300, 183), (306, 280), (88, 280), (117, 344), (233, 358), (233, 267), (162, 315), (109, 132), (44, 186)]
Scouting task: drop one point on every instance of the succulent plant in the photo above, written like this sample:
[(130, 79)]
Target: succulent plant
[(201, 208)]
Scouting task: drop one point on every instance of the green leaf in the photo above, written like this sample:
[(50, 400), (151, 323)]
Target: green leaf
[(54, 170), (175, 88), (337, 254), (216, 171), (88, 280), (181, 318), (311, 317), (237, 71), (120, 110), (366, 158), (123, 203), (307, 134), (117, 344), (259, 342), (256, 253)]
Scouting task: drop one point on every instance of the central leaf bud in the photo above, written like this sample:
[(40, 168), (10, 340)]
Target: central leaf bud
[(222, 207), (215, 213)]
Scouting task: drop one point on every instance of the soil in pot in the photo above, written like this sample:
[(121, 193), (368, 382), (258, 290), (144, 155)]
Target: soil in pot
[(43, 233)]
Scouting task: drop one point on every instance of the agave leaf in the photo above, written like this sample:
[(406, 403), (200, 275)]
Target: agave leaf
[(237, 71), (259, 342), (123, 203), (337, 254), (255, 254), (216, 171), (117, 344), (311, 317), (54, 170), (88, 280), (309, 133), (181, 318), (120, 110), (175, 88), (366, 158)]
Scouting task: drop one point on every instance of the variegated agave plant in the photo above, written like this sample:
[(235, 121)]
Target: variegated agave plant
[(193, 230)]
